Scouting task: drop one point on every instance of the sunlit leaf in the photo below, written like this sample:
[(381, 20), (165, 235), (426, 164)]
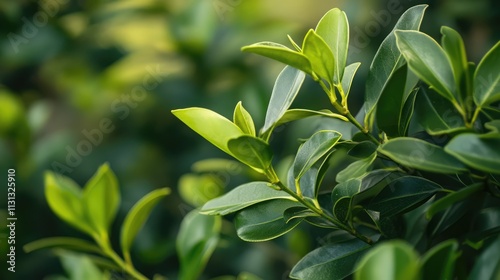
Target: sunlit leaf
[(243, 119), (477, 151), (242, 197), (136, 218), (70, 243), (282, 54), (454, 47), (349, 73), (319, 54), (80, 267), (252, 151), (356, 169)]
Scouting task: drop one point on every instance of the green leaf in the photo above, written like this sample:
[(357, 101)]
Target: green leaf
[(298, 114), (332, 261), (372, 184), (454, 47), (311, 181), (393, 260), (346, 189), (69, 243), (298, 212), (439, 262), (487, 78), (477, 151), (428, 61), (334, 29), (319, 54), (313, 149), (403, 195), (487, 266), (80, 267), (197, 239), (264, 221), (452, 198), (356, 169), (391, 102), (198, 189), (387, 59), (285, 90), (363, 150), (243, 120), (407, 113), (64, 197), (136, 218), (251, 151), (210, 125), (282, 54), (348, 77), (418, 154), (436, 114), (486, 223), (242, 197), (101, 199), (494, 126)]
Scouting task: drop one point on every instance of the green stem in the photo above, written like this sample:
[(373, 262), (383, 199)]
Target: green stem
[(318, 210), (110, 253), (474, 117)]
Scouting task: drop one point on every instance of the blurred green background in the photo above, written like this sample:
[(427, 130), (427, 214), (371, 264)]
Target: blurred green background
[(87, 82)]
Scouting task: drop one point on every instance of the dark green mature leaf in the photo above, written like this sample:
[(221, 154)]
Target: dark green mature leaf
[(418, 154), (319, 54), (487, 78), (242, 197), (407, 112), (313, 149), (69, 243), (334, 29), (197, 239), (264, 221), (486, 223), (436, 114), (298, 212), (363, 150), (453, 198), (346, 189), (210, 125), (373, 183), (439, 262), (454, 47), (477, 151), (393, 260), (282, 54), (402, 195), (429, 61), (342, 208), (243, 120), (390, 107), (101, 199), (251, 151), (310, 182), (487, 265), (332, 261), (356, 169), (285, 90), (348, 77), (387, 59), (64, 197), (137, 216)]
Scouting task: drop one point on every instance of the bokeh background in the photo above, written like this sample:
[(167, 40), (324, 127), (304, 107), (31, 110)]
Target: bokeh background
[(108, 73)]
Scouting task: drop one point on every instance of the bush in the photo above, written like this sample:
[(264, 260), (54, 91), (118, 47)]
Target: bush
[(409, 185)]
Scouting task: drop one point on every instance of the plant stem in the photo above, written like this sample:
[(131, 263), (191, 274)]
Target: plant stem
[(318, 210), (110, 253)]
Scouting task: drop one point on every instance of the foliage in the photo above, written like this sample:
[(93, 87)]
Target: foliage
[(412, 171)]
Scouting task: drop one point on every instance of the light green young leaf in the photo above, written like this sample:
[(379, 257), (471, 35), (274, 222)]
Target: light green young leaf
[(348, 77), (210, 125), (282, 54), (332, 261), (101, 199), (387, 59), (428, 61), (452, 198), (198, 189), (251, 151), (487, 78), (80, 267), (136, 218), (334, 29), (393, 260), (477, 151), (285, 90), (320, 55), (242, 197), (454, 47), (64, 197), (264, 221), (197, 239), (418, 154), (313, 149), (298, 114), (439, 262), (69, 243), (243, 120)]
